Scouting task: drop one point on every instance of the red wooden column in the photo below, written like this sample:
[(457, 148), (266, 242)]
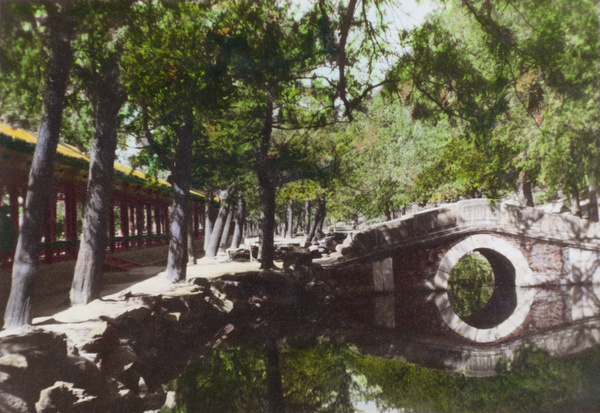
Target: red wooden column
[(13, 200), (149, 231), (139, 223), (50, 231), (132, 222), (111, 226), (157, 219), (124, 223), (196, 221), (71, 219), (202, 218), (166, 221)]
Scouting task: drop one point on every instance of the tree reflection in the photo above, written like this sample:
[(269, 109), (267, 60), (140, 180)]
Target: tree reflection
[(325, 376), (316, 378), (471, 285)]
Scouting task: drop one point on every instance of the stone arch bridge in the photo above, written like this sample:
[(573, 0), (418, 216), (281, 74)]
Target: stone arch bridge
[(542, 263)]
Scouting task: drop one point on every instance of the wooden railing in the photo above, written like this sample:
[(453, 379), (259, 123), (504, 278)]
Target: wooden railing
[(67, 250)]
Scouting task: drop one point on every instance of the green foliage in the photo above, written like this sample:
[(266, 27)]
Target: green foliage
[(318, 378), (481, 94), (315, 379), (532, 382), (100, 39), (231, 381), (471, 285), (328, 376), (23, 51), (509, 83)]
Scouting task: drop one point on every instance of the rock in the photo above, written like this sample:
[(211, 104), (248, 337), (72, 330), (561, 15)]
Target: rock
[(114, 362), (219, 301), (170, 401), (101, 340), (9, 403), (58, 398), (30, 362), (154, 401), (14, 360), (132, 318), (174, 305), (296, 259), (140, 299), (130, 377), (238, 254), (200, 281), (84, 374), (35, 344), (185, 291)]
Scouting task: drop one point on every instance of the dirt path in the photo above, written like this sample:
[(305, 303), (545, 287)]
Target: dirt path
[(78, 322)]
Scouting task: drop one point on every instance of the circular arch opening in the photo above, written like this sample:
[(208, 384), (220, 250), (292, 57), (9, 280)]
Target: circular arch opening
[(505, 304), (481, 288)]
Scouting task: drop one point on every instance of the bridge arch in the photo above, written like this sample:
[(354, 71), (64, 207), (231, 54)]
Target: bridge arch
[(509, 305)]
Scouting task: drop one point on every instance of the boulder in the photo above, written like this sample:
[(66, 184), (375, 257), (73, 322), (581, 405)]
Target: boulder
[(58, 398)]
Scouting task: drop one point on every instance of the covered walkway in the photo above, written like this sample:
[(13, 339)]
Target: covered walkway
[(139, 217)]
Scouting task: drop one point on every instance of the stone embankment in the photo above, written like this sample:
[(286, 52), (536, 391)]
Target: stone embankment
[(121, 358)]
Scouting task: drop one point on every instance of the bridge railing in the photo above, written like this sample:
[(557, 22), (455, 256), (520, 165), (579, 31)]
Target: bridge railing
[(472, 216)]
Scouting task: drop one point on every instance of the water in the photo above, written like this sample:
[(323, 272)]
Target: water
[(369, 352)]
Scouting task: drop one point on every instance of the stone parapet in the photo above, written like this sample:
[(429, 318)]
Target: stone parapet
[(471, 216)]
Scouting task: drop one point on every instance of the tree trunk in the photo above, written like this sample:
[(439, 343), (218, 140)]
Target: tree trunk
[(210, 216), (526, 191), (274, 383), (178, 255), (316, 220), (290, 220), (593, 206), (108, 98), (593, 214), (388, 213), (306, 223), (191, 249), (267, 190), (18, 309), (319, 233), (215, 236), (575, 204), (226, 229), (240, 218)]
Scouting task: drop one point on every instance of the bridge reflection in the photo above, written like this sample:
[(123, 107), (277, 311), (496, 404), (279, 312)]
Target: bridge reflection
[(562, 320)]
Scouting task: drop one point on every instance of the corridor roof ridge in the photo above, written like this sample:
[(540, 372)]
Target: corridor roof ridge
[(73, 153)]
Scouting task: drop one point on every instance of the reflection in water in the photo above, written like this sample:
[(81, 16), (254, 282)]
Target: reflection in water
[(562, 321), (325, 376), (470, 285), (377, 352)]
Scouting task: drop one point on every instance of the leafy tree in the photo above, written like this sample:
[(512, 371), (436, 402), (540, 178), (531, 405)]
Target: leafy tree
[(491, 74), (59, 30), (175, 78), (21, 62), (279, 51), (98, 67)]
